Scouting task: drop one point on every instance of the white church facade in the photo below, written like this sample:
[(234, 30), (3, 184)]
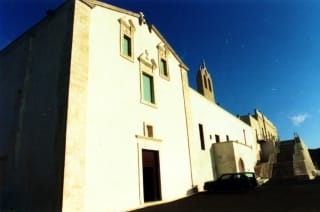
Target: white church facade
[(103, 117)]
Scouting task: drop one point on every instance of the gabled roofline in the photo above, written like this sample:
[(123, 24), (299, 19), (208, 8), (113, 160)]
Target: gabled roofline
[(93, 3), (33, 27), (217, 105), (182, 65)]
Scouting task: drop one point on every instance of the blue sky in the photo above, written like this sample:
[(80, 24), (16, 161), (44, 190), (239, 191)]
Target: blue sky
[(261, 54)]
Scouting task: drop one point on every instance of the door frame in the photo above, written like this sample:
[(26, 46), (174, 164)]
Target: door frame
[(147, 144), (155, 187)]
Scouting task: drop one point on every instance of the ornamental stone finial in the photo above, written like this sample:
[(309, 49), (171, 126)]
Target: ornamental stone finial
[(142, 20)]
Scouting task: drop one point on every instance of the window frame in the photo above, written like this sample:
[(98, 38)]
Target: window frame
[(163, 66), (127, 52), (147, 127), (151, 89), (163, 53), (146, 67), (201, 136), (217, 138), (127, 30)]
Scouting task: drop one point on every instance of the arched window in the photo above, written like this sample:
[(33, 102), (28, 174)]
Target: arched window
[(209, 84), (205, 81)]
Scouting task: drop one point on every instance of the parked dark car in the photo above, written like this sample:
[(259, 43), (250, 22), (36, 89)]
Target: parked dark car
[(232, 182)]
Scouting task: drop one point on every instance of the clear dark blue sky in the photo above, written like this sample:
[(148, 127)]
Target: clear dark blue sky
[(261, 54)]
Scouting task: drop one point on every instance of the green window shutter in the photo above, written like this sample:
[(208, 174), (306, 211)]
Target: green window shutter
[(148, 88)]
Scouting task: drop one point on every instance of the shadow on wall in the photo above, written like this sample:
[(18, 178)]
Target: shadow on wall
[(193, 190), (213, 163)]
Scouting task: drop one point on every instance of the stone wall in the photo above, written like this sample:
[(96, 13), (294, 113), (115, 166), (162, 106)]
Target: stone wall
[(34, 73)]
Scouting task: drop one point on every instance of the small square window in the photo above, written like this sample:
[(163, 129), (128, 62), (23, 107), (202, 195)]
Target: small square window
[(149, 129)]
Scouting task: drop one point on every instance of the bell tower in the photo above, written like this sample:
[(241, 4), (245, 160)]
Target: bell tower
[(204, 83)]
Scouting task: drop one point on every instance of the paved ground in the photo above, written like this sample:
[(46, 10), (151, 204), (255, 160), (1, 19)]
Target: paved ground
[(293, 197)]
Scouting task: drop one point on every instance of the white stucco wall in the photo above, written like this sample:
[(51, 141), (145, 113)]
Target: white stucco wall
[(217, 121), (105, 117), (246, 154), (33, 76), (115, 116)]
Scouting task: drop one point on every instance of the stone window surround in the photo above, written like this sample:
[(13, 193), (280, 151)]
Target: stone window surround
[(163, 53), (147, 66), (127, 29)]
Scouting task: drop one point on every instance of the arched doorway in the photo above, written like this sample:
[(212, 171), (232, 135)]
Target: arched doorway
[(241, 165)]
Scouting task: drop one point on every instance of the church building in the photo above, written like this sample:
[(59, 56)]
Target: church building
[(98, 115)]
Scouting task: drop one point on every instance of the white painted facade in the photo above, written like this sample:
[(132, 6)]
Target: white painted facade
[(110, 130), (222, 157), (115, 132), (116, 119)]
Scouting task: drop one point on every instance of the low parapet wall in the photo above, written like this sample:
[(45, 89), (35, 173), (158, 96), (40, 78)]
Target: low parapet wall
[(316, 173), (302, 163), (294, 162)]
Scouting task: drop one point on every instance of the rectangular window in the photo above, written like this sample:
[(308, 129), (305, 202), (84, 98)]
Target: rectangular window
[(148, 90), (201, 137), (244, 136), (127, 30), (126, 46), (163, 67), (227, 137), (217, 138), (163, 53), (149, 131)]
